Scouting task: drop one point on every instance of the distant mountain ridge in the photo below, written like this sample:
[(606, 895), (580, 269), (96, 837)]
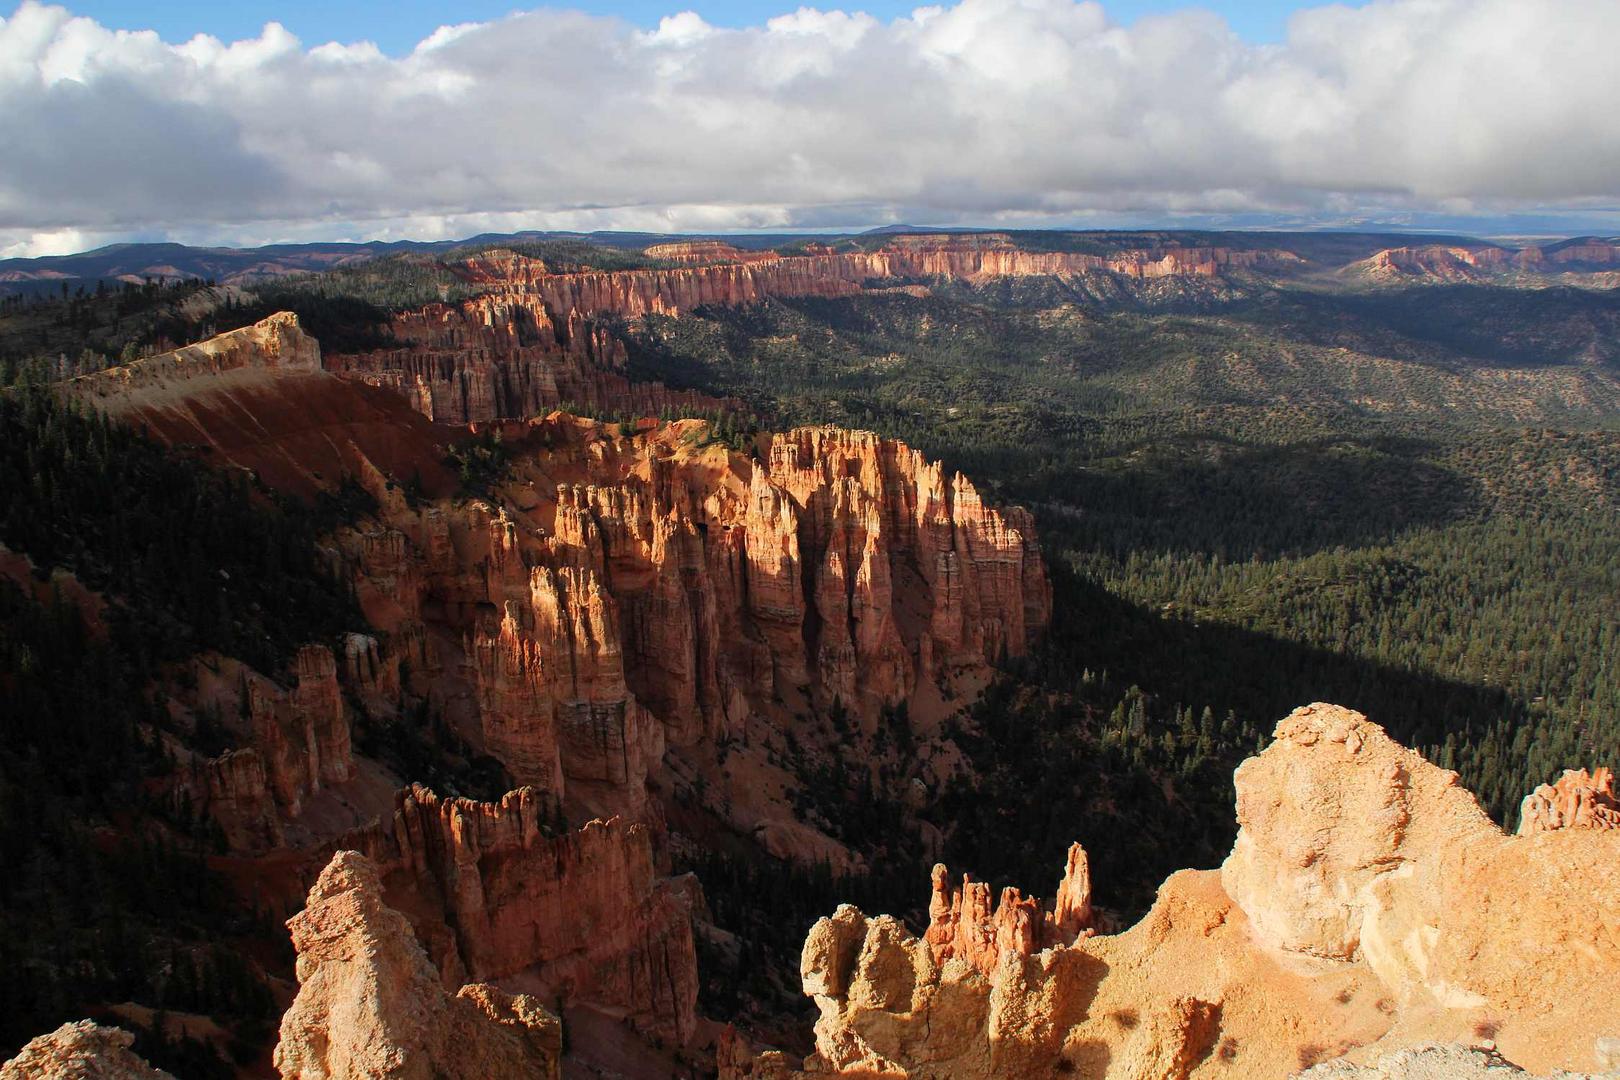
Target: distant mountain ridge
[(138, 262)]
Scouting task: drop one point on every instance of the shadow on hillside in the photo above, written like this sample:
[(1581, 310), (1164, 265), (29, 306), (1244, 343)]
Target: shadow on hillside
[(1214, 495), (1260, 676), (1050, 776)]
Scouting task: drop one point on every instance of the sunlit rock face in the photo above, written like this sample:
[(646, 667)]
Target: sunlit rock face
[(1368, 907), (370, 1004)]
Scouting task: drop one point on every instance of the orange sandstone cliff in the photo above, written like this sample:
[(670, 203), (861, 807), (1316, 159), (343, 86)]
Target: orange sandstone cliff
[(581, 917), (1368, 906), (612, 597), (1457, 263), (539, 338), (598, 620), (629, 594)]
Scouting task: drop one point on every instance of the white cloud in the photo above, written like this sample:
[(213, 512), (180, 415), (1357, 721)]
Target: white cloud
[(985, 110)]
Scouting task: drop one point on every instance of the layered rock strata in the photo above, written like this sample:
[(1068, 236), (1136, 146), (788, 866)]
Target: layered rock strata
[(1451, 263), (1368, 906), (633, 293), (539, 339), (370, 1004), (276, 344), (581, 916), (259, 399)]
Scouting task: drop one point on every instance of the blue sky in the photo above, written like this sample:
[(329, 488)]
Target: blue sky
[(397, 25), (1460, 114)]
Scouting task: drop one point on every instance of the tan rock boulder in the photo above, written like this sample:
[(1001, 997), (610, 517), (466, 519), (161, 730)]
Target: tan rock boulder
[(81, 1051), (1326, 816), (1353, 848)]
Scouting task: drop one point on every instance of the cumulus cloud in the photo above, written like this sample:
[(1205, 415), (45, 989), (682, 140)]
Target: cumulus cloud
[(985, 110)]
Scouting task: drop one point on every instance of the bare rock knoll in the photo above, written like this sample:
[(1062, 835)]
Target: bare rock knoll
[(1368, 906), (1434, 1062), (370, 1004)]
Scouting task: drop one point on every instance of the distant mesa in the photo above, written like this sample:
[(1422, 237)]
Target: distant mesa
[(1447, 263)]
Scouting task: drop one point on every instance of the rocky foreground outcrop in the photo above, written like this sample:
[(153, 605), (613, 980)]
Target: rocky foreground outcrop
[(1436, 1062), (370, 1003), (1368, 905), (81, 1051)]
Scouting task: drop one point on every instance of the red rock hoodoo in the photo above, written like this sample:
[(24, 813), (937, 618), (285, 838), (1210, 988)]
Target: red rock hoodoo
[(370, 1004), (1579, 800)]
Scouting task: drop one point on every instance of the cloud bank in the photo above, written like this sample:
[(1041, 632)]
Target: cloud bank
[(1009, 111)]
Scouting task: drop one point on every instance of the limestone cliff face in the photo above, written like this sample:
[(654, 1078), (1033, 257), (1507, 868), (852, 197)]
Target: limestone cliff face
[(697, 252), (508, 354), (492, 356), (581, 916), (371, 1005), (1368, 905), (1435, 262), (538, 338), (633, 293), (618, 596), (1587, 253), (81, 1051), (292, 744)]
